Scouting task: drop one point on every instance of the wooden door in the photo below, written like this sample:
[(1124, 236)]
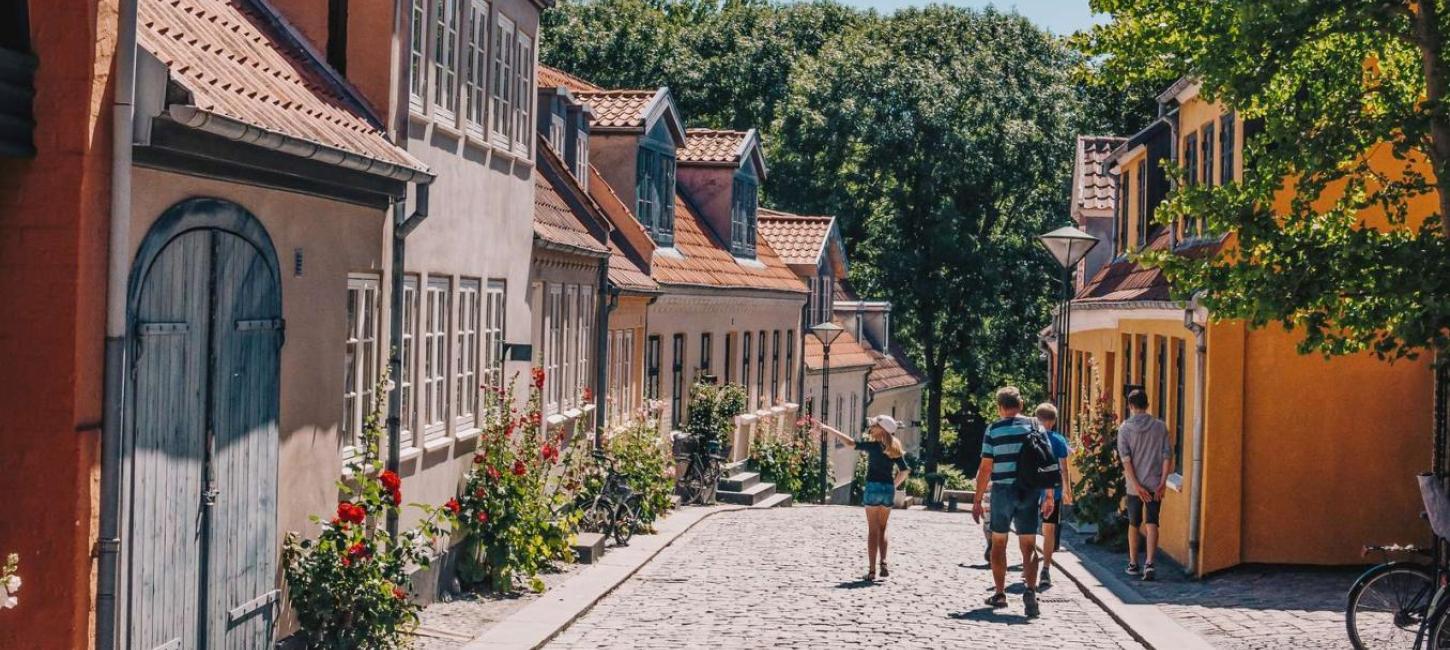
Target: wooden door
[(202, 536)]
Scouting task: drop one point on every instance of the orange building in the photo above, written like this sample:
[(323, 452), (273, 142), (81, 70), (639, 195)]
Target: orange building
[(1275, 453)]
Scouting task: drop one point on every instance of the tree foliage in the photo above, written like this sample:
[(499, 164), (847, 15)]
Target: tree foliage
[(1354, 141)]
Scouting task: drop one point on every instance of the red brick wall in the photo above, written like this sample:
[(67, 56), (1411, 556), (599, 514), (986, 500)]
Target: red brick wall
[(54, 211)]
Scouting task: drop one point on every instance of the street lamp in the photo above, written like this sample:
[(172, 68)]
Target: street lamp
[(1068, 246), (826, 333)]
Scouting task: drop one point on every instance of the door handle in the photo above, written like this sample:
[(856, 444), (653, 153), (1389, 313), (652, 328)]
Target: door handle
[(208, 498)]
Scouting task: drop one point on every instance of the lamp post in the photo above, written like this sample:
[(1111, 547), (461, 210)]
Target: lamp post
[(1068, 246), (826, 333)]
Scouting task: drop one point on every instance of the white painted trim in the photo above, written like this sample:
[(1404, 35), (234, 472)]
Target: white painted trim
[(1109, 319)]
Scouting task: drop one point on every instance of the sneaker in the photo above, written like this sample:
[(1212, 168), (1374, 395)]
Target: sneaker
[(998, 600), (1045, 580), (1149, 573), (1132, 569), (1029, 604)]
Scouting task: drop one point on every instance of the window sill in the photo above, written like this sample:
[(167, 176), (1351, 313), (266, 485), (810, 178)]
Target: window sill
[(446, 124), (556, 419), (435, 445), (670, 252), (409, 453), (469, 434), (510, 153), (1175, 482), (749, 262), (418, 115)]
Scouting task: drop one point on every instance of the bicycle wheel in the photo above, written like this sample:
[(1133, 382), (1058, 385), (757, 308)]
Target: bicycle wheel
[(693, 484), (597, 518), (711, 479), (1387, 604), (626, 520), (1437, 637)]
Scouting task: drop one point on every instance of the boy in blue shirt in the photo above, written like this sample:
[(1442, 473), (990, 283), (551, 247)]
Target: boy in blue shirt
[(1047, 418)]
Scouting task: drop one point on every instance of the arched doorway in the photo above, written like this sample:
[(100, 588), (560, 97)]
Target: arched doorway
[(205, 333)]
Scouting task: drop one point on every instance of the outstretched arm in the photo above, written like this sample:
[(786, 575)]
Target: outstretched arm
[(845, 439)]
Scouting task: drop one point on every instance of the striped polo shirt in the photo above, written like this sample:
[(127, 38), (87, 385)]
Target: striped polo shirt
[(1002, 444)]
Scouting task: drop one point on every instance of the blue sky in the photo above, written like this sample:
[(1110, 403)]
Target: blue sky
[(1060, 16)]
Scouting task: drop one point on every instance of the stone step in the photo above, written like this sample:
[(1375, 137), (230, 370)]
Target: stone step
[(731, 469), (738, 482), (779, 500), (747, 497), (588, 548)]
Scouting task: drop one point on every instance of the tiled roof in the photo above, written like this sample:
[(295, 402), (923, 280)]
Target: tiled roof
[(1123, 280), (549, 77), (617, 108), (554, 221), (624, 271), (799, 239), (712, 146), (701, 259), (893, 370), (1093, 187), (629, 243), (846, 352), (236, 64)]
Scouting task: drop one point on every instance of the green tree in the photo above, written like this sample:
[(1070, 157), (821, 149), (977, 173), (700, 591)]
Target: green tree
[(942, 137), (1331, 85)]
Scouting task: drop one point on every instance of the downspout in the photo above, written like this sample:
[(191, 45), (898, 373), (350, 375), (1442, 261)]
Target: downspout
[(608, 301), (1195, 485), (800, 361), (401, 228), (118, 273)]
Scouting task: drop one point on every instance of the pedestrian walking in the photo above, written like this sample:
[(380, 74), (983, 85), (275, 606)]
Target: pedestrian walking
[(886, 469), (1062, 495), (1012, 504), (1146, 452)]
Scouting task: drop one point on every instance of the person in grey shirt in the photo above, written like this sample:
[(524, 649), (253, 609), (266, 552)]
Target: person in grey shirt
[(1146, 452)]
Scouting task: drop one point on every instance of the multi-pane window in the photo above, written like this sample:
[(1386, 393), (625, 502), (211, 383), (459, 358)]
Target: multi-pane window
[(581, 149), (502, 86), (1160, 372), (569, 348), (1179, 384), (677, 383), (475, 72), (655, 192), (1226, 149), (417, 72), (840, 406), (1127, 365), (774, 366), (705, 353), (493, 331), (745, 366), (445, 58), (652, 367), (1208, 162), (1123, 213), (523, 95), (586, 340), (822, 299), (435, 358), (1143, 362), (409, 358), (742, 216), (853, 422), (729, 357), (465, 343), (760, 371), (553, 340), (789, 363), (362, 356), (1144, 216), (1190, 159)]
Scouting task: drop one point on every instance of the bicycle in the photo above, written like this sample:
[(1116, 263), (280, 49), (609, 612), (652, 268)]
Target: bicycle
[(615, 510), (703, 468), (1388, 604)]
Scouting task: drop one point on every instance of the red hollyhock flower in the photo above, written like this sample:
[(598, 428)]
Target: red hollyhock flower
[(399, 593), (390, 480), (397, 498), (482, 516), (588, 394), (337, 522), (538, 377), (346, 562), (350, 512), (492, 473), (550, 453), (535, 418), (357, 550), (479, 493), (519, 468), (508, 431), (478, 459), (453, 506)]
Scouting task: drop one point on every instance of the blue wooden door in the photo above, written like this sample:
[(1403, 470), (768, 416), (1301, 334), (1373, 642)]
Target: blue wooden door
[(207, 332)]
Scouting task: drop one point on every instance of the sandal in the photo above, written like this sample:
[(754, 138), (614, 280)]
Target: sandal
[(997, 600), (884, 572), (870, 576)]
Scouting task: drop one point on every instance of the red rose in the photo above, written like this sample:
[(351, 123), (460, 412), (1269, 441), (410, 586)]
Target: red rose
[(478, 459), (453, 506), (390, 480), (493, 473), (350, 512), (397, 498), (482, 517), (357, 550), (337, 522), (550, 453), (519, 468), (538, 377), (399, 593)]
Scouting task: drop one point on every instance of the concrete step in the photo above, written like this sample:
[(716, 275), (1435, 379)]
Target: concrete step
[(779, 500), (738, 482), (731, 469), (588, 548), (747, 497)]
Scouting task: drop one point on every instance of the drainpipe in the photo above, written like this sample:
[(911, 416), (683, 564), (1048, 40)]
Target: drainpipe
[(401, 228), (1191, 315), (608, 301), (117, 281)]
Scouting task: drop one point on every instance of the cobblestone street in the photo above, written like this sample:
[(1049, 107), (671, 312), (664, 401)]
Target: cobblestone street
[(789, 578)]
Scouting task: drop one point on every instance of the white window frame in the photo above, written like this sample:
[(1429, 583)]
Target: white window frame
[(418, 62), (569, 348), (465, 342), (361, 365), (435, 323), (553, 337), (586, 341), (408, 355), (444, 64), (475, 77), (502, 87), (493, 337), (523, 94)]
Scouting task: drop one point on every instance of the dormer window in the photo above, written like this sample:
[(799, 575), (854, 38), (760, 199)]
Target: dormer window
[(576, 146), (743, 204), (655, 191)]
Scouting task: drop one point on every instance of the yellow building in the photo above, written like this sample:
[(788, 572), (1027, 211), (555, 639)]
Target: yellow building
[(1300, 459)]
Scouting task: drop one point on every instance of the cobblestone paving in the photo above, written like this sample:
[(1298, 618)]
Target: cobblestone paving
[(788, 577), (1247, 608)]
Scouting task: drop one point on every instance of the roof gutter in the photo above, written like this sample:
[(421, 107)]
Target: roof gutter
[(566, 248), (237, 130)]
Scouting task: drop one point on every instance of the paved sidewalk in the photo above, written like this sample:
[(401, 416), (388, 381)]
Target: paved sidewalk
[(1247, 608), (790, 578)]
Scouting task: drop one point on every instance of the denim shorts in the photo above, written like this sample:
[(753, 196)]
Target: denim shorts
[(879, 493), (1014, 507)]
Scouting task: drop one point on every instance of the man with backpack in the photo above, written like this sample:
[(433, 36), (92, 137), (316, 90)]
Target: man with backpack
[(1018, 463), (1146, 452)]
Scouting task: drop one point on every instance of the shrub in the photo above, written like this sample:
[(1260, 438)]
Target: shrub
[(347, 587), (713, 409), (10, 581), (1099, 493), (791, 461), (645, 463), (511, 508)]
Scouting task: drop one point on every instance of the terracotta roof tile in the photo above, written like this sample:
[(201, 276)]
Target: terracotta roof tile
[(846, 352), (555, 223), (617, 108), (712, 146), (629, 265), (1124, 280), (799, 239), (701, 259), (234, 63), (892, 370), (550, 77), (1093, 187)]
